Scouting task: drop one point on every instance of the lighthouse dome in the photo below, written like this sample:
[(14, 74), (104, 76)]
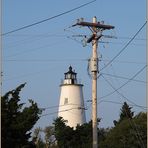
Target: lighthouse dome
[(70, 77)]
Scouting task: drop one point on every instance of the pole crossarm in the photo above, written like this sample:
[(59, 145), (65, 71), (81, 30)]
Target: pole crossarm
[(93, 36), (96, 25)]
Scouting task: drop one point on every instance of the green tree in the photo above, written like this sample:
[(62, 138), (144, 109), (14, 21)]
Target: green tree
[(129, 133), (80, 137), (63, 133), (125, 113), (17, 121), (83, 135)]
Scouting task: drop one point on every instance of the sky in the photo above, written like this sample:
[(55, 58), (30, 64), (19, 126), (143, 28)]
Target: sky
[(40, 54)]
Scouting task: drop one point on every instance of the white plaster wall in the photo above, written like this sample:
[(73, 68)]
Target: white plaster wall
[(72, 111)]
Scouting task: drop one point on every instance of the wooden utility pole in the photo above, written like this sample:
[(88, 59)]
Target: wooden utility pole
[(147, 64), (0, 63), (96, 28), (94, 71)]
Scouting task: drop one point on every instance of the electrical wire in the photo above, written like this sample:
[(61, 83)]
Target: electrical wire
[(126, 62), (34, 49), (39, 22), (123, 43), (127, 38), (43, 60), (124, 83), (133, 125), (56, 60), (57, 106), (60, 111), (119, 103), (116, 90), (34, 38), (123, 77), (128, 43)]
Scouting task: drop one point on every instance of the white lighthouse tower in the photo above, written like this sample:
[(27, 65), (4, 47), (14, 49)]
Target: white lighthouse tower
[(71, 105)]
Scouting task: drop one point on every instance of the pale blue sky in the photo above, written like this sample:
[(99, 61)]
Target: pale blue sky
[(39, 55)]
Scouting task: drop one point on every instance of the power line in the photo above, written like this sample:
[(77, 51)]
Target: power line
[(34, 38), (116, 90), (123, 77), (119, 103), (127, 62), (133, 125), (124, 46), (135, 44), (57, 106), (55, 60), (60, 60), (60, 111), (34, 49), (76, 35), (124, 83), (127, 38), (43, 60), (39, 22), (47, 35)]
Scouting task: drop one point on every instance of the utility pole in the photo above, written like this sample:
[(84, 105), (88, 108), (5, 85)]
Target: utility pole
[(147, 63), (96, 29), (0, 62)]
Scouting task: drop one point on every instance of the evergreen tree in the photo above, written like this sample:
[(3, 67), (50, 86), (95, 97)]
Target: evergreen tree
[(80, 137), (63, 133), (125, 113), (17, 121), (127, 134)]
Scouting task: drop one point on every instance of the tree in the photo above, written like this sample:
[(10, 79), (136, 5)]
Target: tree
[(17, 120), (44, 137), (63, 133), (83, 135), (129, 133), (37, 138), (125, 113), (80, 137), (49, 136)]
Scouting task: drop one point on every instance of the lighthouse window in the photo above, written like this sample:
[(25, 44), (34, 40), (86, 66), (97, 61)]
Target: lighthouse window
[(69, 76), (66, 101), (73, 76)]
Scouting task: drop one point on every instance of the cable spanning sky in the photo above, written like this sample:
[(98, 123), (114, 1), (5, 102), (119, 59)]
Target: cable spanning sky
[(39, 45)]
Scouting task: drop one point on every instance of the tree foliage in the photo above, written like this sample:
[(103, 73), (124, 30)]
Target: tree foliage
[(125, 113), (49, 136), (63, 133), (17, 120), (129, 132), (80, 137), (47, 140), (37, 138)]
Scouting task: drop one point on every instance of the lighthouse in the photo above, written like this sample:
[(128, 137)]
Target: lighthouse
[(71, 104)]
